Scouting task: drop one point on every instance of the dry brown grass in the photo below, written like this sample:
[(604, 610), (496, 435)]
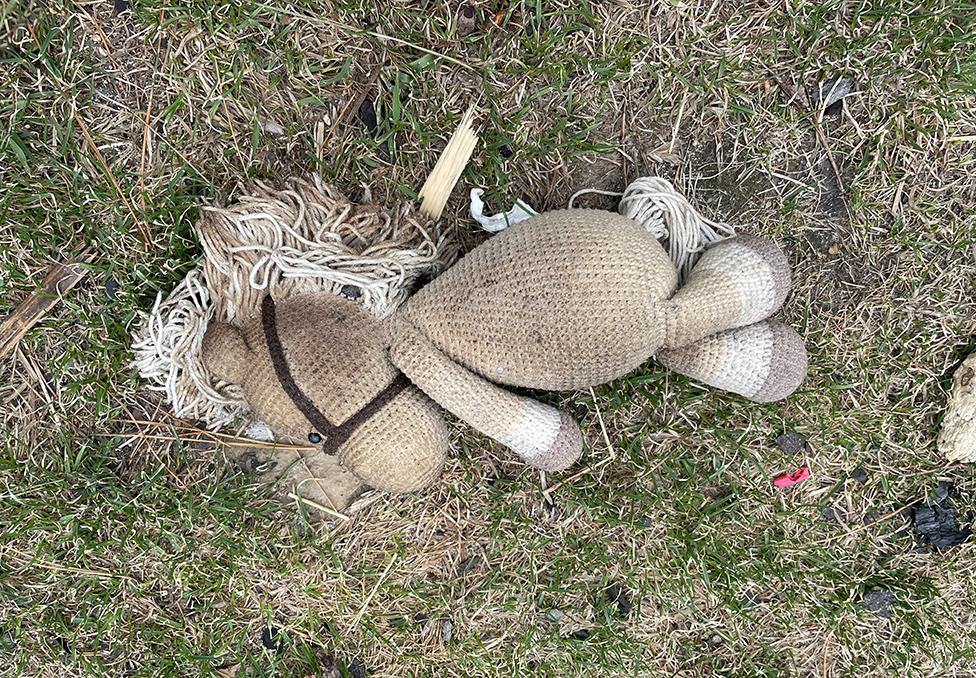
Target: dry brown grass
[(142, 556)]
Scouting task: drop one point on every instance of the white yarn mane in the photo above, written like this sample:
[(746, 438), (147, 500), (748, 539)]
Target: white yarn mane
[(305, 238)]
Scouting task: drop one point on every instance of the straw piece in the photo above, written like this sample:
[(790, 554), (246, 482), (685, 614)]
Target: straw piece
[(437, 189)]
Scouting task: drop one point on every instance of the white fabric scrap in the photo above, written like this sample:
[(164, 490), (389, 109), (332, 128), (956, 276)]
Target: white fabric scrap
[(497, 222), (258, 430)]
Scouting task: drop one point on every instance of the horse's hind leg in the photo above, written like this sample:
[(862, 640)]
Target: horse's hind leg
[(737, 282), (765, 361)]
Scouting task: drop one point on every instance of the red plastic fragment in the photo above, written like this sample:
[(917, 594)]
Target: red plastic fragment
[(788, 479)]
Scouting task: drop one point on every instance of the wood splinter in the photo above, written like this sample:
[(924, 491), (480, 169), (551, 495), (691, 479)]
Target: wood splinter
[(447, 171)]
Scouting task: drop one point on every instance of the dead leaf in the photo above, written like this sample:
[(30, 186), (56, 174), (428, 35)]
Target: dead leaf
[(315, 478), (501, 13), (272, 128), (831, 91), (60, 279)]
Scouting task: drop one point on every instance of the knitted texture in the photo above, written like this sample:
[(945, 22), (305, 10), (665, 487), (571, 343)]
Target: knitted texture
[(571, 299), (564, 300), (735, 283), (765, 361), (311, 238), (541, 435), (336, 354), (297, 238)]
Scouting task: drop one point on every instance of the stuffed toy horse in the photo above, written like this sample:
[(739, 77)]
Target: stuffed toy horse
[(564, 300)]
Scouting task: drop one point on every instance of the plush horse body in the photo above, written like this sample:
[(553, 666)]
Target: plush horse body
[(565, 300)]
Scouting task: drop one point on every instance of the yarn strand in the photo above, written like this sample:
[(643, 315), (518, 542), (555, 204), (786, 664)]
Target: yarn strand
[(658, 206), (667, 215)]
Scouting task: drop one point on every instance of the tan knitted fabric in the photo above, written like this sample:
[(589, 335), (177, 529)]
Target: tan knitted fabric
[(561, 301), (541, 435), (735, 283), (575, 298), (336, 352), (765, 361), (564, 300)]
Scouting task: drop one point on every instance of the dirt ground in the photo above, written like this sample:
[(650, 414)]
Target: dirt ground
[(131, 548)]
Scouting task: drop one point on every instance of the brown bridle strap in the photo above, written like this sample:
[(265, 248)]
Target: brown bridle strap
[(334, 435), (348, 427)]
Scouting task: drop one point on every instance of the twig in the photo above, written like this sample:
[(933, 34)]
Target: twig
[(111, 177), (314, 478), (353, 103), (861, 528), (830, 156), (145, 144), (677, 124), (149, 106), (603, 428), (439, 55), (182, 423), (589, 469), (59, 280), (151, 448), (197, 434), (76, 570), (101, 34), (362, 610), (214, 440), (101, 158), (318, 20), (233, 135), (318, 506), (803, 104)]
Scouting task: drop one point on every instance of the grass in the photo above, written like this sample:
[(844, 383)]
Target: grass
[(130, 556)]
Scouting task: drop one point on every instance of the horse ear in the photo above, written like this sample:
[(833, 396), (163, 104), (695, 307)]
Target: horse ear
[(225, 353)]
